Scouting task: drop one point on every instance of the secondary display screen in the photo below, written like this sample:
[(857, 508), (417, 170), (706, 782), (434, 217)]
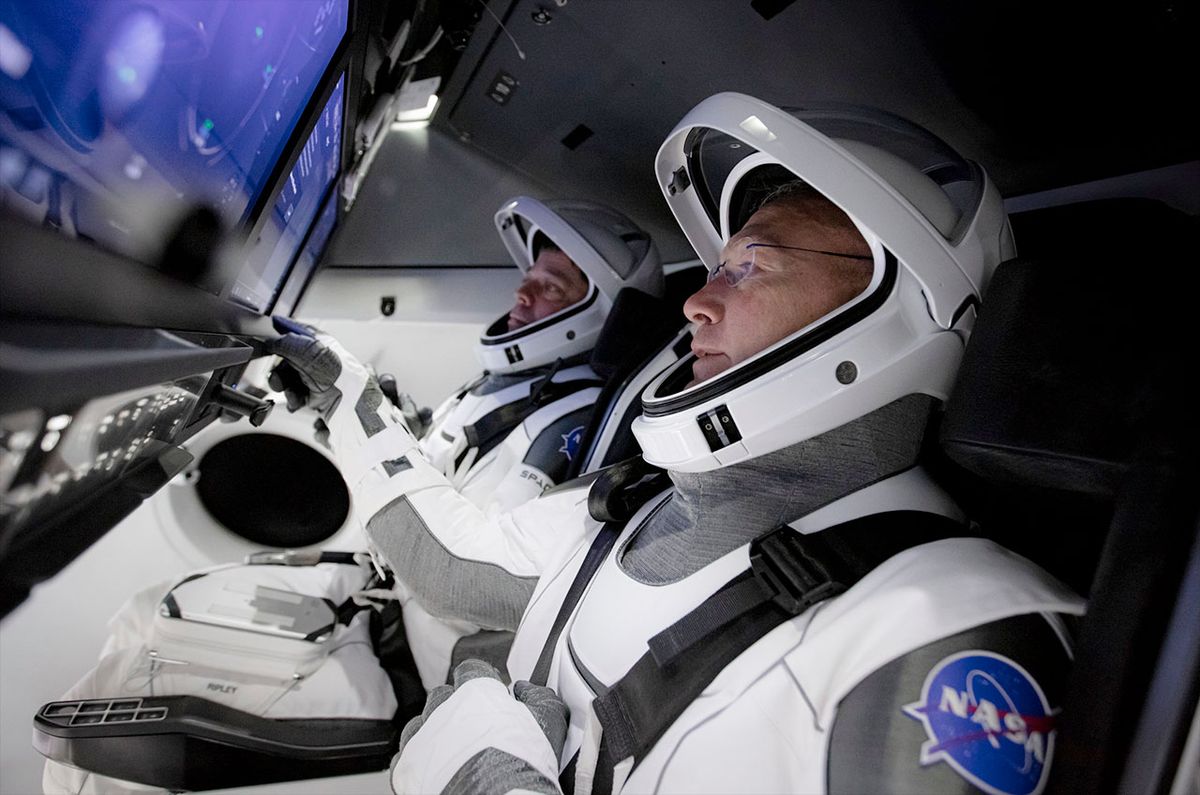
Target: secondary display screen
[(118, 116), (310, 255), (294, 209)]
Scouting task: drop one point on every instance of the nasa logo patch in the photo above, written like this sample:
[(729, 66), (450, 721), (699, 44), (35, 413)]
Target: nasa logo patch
[(570, 445), (989, 720)]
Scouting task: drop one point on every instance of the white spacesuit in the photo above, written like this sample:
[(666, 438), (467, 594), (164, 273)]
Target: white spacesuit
[(501, 441), (801, 611), (512, 434)]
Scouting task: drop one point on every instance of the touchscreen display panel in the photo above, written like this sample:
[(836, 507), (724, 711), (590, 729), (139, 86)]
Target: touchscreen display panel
[(294, 209), (310, 255), (119, 116)]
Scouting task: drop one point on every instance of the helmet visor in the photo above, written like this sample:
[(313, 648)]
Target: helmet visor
[(942, 186)]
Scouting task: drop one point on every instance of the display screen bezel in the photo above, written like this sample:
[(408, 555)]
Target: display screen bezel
[(296, 280), (250, 249)]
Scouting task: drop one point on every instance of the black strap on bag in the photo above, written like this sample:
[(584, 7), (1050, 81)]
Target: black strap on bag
[(789, 573), (345, 612)]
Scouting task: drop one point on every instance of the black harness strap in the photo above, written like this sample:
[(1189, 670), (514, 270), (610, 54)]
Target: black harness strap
[(602, 544), (616, 494), (490, 429), (573, 483), (789, 573), (466, 388)]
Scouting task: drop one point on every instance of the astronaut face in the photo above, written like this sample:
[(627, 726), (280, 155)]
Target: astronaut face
[(553, 283), (795, 260)]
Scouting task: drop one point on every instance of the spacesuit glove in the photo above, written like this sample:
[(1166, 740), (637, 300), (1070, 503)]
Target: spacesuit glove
[(419, 420), (315, 370), (474, 737)]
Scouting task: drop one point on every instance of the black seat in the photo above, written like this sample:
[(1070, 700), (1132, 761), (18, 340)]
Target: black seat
[(637, 329), (1078, 444)]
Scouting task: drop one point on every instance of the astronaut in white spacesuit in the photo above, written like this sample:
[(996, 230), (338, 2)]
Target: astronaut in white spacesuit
[(512, 433), (509, 434), (801, 610), (500, 441)]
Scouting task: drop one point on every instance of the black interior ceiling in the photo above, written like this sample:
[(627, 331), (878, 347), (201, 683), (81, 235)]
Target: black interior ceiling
[(1042, 95)]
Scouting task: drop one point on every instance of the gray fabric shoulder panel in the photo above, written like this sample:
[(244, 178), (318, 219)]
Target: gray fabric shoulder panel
[(877, 744), (447, 586)]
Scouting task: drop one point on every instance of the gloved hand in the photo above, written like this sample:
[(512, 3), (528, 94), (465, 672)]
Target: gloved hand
[(474, 737), (312, 363), (365, 434), (418, 419)]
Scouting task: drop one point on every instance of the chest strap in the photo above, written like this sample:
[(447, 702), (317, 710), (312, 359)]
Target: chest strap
[(601, 545), (468, 387), (616, 494), (789, 573), (491, 429)]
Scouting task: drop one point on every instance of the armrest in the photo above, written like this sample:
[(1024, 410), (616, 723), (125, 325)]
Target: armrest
[(190, 743)]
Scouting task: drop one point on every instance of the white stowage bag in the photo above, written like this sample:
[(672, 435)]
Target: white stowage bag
[(344, 680)]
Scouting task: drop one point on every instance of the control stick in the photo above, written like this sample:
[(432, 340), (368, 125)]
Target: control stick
[(241, 404)]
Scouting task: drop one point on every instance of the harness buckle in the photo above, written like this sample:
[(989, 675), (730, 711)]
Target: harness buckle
[(786, 567)]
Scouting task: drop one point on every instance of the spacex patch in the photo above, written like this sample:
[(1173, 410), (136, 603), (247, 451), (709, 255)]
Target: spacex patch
[(987, 719)]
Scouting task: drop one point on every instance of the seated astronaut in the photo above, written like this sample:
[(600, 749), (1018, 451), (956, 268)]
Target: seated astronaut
[(798, 607), (496, 445), (801, 609), (501, 440)]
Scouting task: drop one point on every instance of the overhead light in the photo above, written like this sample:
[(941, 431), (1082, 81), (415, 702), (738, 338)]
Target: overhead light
[(401, 126), (423, 113), (418, 100)]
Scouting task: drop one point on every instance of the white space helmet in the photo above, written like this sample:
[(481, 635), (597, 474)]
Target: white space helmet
[(936, 228), (611, 250)]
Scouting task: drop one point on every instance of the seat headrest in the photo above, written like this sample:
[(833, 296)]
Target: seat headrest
[(1078, 359), (680, 285), (637, 325)]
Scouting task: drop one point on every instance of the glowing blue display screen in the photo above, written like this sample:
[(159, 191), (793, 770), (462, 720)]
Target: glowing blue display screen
[(116, 117), (306, 263), (294, 209)]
